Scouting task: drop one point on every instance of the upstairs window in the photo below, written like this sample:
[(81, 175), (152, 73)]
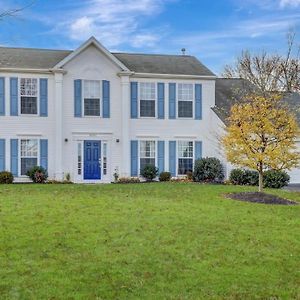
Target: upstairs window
[(185, 157), (147, 153), (29, 155), (147, 99), (91, 95), (185, 100), (29, 94)]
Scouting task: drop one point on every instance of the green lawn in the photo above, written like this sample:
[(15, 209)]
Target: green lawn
[(145, 241)]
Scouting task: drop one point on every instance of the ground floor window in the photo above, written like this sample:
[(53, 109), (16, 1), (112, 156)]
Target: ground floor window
[(147, 153), (29, 155), (185, 157)]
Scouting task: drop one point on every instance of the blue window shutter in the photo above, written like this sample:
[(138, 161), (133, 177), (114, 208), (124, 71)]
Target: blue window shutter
[(198, 101), (198, 149), (14, 157), (161, 100), (44, 153), (13, 96), (172, 157), (77, 98), (172, 100), (2, 155), (161, 156), (134, 100), (106, 98), (43, 97), (134, 158), (2, 96)]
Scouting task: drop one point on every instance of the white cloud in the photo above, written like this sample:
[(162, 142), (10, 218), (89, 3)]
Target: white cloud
[(114, 22), (291, 3)]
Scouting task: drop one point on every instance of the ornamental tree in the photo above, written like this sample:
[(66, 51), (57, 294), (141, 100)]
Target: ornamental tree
[(261, 135)]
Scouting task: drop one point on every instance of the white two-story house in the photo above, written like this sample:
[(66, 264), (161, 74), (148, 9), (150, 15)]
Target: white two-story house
[(90, 113)]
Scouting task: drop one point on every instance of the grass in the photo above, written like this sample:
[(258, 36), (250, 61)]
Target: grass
[(146, 241)]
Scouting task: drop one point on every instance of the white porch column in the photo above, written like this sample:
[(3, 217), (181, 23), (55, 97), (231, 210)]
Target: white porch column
[(58, 78), (125, 142)]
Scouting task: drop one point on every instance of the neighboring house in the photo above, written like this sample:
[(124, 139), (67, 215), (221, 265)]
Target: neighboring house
[(91, 113)]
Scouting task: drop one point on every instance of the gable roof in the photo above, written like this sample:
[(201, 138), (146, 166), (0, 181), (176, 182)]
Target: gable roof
[(30, 58), (164, 64), (227, 90)]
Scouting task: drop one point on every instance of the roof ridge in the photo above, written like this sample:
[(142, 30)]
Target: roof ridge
[(152, 54)]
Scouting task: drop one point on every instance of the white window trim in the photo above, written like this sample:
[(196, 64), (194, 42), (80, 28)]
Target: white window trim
[(37, 97), (177, 101), (19, 154), (177, 155), (139, 153), (139, 100), (100, 100)]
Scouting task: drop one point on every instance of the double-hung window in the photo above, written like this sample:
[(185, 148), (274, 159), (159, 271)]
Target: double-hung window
[(29, 155), (29, 95), (91, 95), (147, 99), (185, 157), (185, 100), (147, 153)]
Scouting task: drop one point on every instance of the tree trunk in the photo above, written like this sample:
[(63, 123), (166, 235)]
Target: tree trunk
[(260, 177)]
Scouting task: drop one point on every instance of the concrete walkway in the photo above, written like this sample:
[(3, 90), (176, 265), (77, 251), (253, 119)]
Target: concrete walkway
[(294, 187)]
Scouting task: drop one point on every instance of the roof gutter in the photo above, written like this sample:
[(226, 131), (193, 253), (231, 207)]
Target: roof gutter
[(35, 71), (173, 76)]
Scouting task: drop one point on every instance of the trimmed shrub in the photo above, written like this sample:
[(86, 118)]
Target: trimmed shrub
[(6, 177), (275, 179), (208, 169), (189, 175), (165, 176), (37, 174), (128, 180), (149, 172), (243, 177)]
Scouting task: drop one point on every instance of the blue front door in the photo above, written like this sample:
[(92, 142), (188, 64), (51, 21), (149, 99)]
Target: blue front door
[(92, 160)]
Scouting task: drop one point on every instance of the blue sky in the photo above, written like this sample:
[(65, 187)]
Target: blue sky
[(215, 31)]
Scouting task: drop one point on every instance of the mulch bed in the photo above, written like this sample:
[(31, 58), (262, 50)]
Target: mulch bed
[(263, 198)]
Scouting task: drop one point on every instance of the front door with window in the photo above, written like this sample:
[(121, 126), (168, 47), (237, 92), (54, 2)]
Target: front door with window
[(92, 160)]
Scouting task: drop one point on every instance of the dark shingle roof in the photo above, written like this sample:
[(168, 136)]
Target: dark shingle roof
[(30, 58), (144, 63), (163, 64), (229, 90)]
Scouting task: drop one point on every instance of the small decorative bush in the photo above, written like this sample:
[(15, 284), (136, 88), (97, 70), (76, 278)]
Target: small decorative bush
[(208, 169), (129, 180), (37, 174), (6, 177), (149, 172), (189, 175), (275, 179), (165, 176), (243, 177)]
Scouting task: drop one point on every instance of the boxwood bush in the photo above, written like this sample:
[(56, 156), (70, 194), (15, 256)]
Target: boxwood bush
[(275, 179), (271, 178), (6, 177), (165, 176), (208, 169), (149, 172), (243, 177)]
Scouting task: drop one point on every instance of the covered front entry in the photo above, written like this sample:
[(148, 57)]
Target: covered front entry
[(92, 160)]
